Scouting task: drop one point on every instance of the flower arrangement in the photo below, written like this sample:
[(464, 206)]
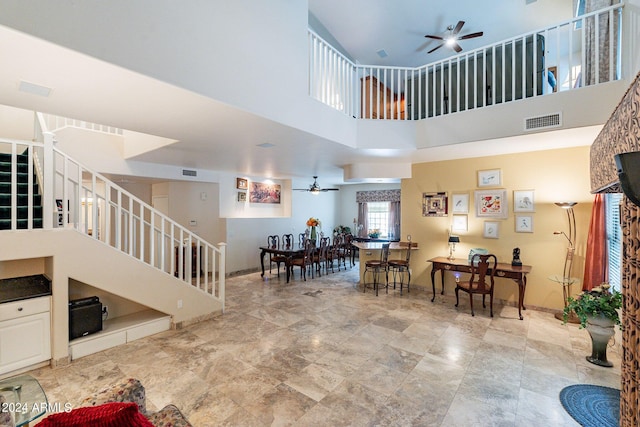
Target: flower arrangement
[(342, 229), (374, 233), (598, 301), (313, 222)]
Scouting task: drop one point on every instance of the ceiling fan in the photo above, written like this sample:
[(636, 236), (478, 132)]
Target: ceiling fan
[(452, 38), (315, 188)]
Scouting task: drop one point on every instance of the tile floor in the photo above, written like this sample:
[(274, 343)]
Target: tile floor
[(323, 353)]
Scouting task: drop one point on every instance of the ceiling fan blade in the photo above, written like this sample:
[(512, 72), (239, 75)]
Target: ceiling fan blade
[(457, 47), (429, 36), (458, 27), (470, 36), (436, 48)]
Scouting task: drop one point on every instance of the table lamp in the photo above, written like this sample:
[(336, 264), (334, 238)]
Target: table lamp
[(452, 245)]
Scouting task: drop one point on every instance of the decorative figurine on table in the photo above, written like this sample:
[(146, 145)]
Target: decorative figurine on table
[(516, 257)]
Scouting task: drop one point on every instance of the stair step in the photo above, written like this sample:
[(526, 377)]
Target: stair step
[(21, 177), (22, 200), (22, 158), (6, 167), (5, 224), (22, 212), (22, 188)]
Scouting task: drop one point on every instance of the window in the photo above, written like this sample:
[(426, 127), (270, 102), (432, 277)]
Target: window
[(378, 217), (614, 239)]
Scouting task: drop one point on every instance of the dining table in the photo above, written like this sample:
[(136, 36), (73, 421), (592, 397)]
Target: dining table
[(288, 253)]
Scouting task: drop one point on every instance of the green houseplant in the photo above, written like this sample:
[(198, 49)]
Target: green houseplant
[(599, 302), (597, 311)]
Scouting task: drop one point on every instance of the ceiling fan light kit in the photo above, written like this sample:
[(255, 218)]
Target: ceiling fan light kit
[(315, 188), (451, 39)]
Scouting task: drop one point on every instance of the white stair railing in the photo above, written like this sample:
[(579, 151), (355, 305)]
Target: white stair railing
[(93, 205), (579, 52)]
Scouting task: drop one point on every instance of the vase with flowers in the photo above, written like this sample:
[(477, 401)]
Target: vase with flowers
[(597, 311), (312, 223)]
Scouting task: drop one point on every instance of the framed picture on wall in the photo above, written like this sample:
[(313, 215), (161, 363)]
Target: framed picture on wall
[(242, 184), (242, 196), (523, 201), (460, 223), (264, 193), (524, 224), (491, 229), (460, 203), (490, 178), (491, 203), (434, 204)]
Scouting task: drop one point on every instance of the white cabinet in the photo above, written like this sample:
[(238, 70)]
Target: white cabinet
[(25, 333)]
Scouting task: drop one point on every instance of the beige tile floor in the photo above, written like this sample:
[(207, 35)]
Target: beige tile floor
[(323, 353)]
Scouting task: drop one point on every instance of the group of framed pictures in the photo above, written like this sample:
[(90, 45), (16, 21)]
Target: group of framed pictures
[(259, 192), (490, 203)]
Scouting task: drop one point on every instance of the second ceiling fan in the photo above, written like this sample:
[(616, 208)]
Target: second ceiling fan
[(452, 38), (315, 188)]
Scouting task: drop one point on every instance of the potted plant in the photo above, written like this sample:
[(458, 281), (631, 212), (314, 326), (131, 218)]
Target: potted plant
[(597, 311)]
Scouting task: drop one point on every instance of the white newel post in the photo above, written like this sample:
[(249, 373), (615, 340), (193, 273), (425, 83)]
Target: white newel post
[(222, 272), (48, 195)]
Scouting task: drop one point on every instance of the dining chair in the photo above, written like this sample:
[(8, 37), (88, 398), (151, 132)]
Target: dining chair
[(483, 268), (273, 242), (336, 250), (320, 258), (398, 267), (375, 268), (287, 242), (347, 249), (305, 261), (301, 239)]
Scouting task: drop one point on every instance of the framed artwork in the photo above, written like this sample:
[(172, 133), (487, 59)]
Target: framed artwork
[(524, 224), (434, 204), (242, 196), (460, 223), (242, 184), (491, 229), (491, 203), (490, 178), (264, 193), (460, 203), (523, 201)]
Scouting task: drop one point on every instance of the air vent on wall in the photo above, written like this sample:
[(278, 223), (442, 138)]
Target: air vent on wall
[(542, 122), (187, 172)]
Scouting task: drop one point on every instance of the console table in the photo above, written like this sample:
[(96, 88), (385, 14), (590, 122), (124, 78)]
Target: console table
[(517, 273)]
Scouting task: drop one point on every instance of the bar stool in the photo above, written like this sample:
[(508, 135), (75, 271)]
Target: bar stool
[(401, 266), (376, 267)]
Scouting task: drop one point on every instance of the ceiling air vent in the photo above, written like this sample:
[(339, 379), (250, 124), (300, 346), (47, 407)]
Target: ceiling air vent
[(543, 122), (187, 172)]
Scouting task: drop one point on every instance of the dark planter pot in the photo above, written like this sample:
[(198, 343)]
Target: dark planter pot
[(601, 329)]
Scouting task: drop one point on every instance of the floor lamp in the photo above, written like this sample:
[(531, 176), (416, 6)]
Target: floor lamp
[(566, 280)]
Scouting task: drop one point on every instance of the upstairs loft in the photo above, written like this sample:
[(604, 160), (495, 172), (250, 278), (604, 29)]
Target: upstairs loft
[(584, 51)]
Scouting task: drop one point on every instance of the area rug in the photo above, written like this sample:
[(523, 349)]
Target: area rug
[(592, 405)]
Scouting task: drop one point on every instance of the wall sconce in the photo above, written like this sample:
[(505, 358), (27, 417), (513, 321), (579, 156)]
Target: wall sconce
[(452, 245), (628, 165)]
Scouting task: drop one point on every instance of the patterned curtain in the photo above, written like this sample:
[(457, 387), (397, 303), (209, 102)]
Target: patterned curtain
[(394, 220), (363, 220), (595, 263), (602, 44)]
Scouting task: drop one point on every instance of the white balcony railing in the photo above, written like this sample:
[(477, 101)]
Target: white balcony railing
[(578, 52), (73, 196)]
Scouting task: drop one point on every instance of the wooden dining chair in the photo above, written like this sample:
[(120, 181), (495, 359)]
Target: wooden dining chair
[(305, 261), (273, 242), (483, 269)]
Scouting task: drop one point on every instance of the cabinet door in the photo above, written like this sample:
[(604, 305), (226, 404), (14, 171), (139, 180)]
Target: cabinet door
[(24, 341)]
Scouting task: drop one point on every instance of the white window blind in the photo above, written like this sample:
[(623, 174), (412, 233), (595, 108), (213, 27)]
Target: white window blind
[(614, 239)]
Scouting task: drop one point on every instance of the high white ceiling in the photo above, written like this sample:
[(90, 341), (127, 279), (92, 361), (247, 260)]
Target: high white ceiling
[(361, 27)]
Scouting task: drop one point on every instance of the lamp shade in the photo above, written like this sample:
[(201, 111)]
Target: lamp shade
[(454, 239)]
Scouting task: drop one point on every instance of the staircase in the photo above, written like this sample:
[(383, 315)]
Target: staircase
[(22, 196)]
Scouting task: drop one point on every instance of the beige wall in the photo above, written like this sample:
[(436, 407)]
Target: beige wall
[(555, 175)]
